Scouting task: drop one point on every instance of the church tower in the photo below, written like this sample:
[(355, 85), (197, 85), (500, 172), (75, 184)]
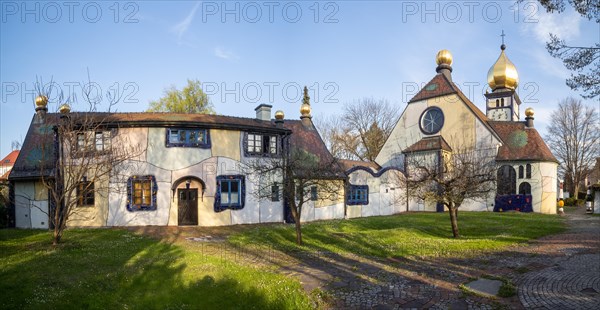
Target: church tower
[(502, 103)]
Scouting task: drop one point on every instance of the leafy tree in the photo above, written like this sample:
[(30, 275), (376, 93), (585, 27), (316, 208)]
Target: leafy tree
[(574, 138), (466, 174), (191, 99), (361, 131), (583, 60)]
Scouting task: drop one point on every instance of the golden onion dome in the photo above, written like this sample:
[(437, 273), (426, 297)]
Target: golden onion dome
[(279, 115), (64, 109), (443, 57), (41, 101), (503, 74), (529, 112), (305, 109)]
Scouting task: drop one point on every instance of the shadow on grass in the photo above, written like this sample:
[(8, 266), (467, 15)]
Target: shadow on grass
[(113, 269)]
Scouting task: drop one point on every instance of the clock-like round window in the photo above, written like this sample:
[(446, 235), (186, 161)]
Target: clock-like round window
[(432, 120)]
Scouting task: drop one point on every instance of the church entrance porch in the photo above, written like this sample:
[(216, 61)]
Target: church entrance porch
[(187, 206)]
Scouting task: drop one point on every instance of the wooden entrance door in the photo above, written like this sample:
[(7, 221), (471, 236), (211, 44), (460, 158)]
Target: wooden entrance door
[(187, 208)]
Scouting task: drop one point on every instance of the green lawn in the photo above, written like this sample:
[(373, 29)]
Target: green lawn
[(115, 269), (420, 234)]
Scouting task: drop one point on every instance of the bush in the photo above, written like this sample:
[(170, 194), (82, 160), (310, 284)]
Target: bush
[(573, 202)]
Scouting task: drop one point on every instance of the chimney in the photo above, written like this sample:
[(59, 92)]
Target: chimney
[(279, 116), (529, 117), (263, 112), (41, 107), (443, 60)]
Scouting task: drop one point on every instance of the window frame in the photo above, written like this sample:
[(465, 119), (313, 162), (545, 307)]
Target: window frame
[(241, 182), (91, 140), (275, 192), (356, 193), (267, 145), (132, 206), (314, 194), (188, 132), (86, 196)]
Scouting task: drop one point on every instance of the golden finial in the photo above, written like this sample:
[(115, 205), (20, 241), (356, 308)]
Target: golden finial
[(41, 101), (443, 57), (279, 115), (305, 107), (503, 74), (64, 108), (529, 112)]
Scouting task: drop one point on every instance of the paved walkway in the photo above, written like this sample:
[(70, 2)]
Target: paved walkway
[(556, 272)]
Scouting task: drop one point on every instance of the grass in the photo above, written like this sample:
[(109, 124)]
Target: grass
[(414, 234), (115, 269)]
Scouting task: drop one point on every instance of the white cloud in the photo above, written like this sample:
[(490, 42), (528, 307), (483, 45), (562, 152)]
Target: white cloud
[(225, 54), (181, 28), (564, 25)]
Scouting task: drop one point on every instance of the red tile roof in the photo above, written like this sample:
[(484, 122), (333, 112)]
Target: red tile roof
[(10, 159), (437, 87), (521, 143), (429, 144)]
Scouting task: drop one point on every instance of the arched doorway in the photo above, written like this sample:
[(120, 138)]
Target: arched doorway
[(188, 190), (506, 181), (525, 189)]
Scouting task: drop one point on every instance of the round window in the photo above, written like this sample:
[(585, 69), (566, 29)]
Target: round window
[(432, 120)]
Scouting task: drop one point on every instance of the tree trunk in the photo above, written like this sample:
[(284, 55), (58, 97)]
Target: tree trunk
[(298, 232), (454, 221)]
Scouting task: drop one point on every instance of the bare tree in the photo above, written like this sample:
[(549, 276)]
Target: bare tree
[(450, 179), (299, 177), (79, 153), (584, 60), (574, 138), (362, 129)]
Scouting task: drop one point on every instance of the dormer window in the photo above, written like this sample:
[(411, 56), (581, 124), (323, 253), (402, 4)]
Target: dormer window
[(180, 137)]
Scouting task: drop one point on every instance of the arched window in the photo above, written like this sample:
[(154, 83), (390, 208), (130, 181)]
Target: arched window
[(507, 181), (525, 189), (502, 102), (528, 171), (497, 103), (520, 172)]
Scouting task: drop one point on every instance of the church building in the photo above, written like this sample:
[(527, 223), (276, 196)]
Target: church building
[(440, 120), (190, 170)]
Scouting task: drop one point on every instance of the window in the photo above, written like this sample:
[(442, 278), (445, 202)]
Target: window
[(141, 193), (275, 192), (102, 140), (520, 172), (506, 181), (177, 137), (313, 193), (85, 194), (528, 171), (95, 140), (502, 102), (230, 193), (358, 195), (497, 103), (262, 144), (432, 121), (525, 189)]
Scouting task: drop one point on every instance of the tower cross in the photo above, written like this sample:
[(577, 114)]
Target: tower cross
[(502, 35)]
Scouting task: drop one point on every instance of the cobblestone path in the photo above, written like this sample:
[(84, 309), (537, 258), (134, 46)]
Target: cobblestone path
[(555, 272)]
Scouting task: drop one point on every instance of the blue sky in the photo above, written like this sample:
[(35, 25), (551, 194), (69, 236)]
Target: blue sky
[(247, 53)]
